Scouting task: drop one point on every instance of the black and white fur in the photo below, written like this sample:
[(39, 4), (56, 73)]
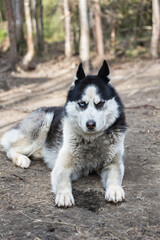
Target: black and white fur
[(86, 134)]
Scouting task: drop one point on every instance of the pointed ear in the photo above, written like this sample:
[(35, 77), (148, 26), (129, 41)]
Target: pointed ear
[(104, 71), (80, 72), (79, 75)]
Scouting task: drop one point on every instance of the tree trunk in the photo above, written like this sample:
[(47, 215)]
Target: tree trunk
[(141, 20), (41, 24), (19, 21), (37, 23), (12, 36), (67, 23), (84, 37), (98, 28), (38, 35), (155, 28), (75, 28), (113, 38), (30, 53), (33, 11)]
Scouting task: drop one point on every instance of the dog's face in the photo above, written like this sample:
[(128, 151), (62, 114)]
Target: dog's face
[(92, 103)]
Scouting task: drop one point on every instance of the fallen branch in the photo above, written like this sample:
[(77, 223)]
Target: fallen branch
[(15, 109), (143, 106)]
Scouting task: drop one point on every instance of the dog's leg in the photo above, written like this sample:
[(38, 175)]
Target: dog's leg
[(112, 173), (112, 177), (61, 180)]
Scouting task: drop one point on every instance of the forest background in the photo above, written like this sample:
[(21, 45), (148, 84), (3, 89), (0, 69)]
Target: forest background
[(94, 28)]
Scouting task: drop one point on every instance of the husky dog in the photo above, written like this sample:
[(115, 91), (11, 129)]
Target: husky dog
[(86, 134)]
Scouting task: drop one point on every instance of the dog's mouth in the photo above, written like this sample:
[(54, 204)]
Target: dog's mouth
[(92, 134), (91, 131)]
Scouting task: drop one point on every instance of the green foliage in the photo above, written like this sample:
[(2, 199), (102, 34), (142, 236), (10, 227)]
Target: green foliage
[(132, 20), (3, 23), (74, 8), (2, 11), (3, 32), (136, 52), (53, 28), (52, 20)]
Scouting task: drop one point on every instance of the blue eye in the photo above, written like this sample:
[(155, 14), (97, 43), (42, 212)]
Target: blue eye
[(82, 105)]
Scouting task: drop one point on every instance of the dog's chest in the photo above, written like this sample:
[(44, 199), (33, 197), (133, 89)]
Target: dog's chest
[(92, 154)]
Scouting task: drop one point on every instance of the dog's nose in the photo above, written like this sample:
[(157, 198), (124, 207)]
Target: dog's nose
[(90, 124)]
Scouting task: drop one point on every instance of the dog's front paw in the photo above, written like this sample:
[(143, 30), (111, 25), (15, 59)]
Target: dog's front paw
[(64, 199), (114, 193)]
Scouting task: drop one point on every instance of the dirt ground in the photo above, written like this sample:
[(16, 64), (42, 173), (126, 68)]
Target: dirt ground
[(27, 208)]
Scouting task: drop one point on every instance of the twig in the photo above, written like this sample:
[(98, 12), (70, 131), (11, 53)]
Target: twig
[(130, 229), (143, 106), (114, 236), (60, 223), (152, 227), (15, 109), (15, 175), (57, 223), (26, 215), (6, 69)]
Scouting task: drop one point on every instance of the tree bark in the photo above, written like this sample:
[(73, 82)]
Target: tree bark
[(113, 38), (41, 24), (98, 28), (33, 11), (19, 21), (84, 36), (30, 45), (67, 23), (12, 36), (155, 28), (37, 23)]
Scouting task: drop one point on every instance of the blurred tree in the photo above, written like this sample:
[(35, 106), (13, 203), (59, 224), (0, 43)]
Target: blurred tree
[(67, 23), (75, 25), (30, 45), (113, 37), (17, 6), (33, 13), (113, 16), (84, 35), (37, 24), (155, 28), (98, 28), (123, 27), (12, 35), (2, 11), (41, 24)]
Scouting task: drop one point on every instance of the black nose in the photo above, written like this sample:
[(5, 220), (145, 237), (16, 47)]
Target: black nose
[(90, 124)]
